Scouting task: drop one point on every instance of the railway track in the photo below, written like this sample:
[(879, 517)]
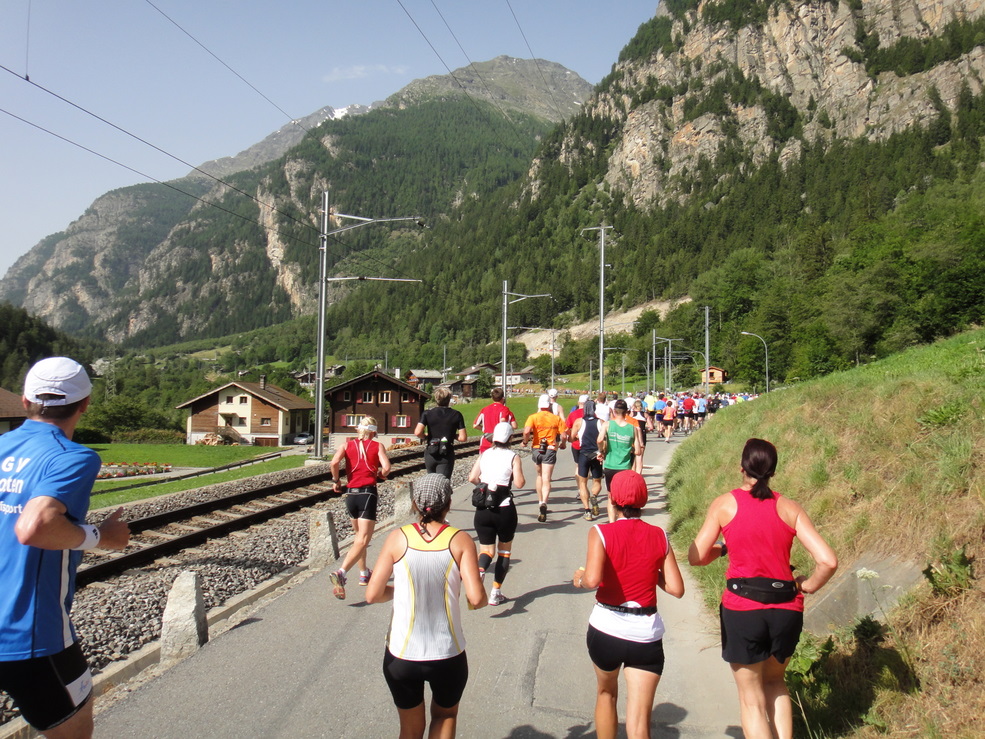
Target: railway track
[(164, 534)]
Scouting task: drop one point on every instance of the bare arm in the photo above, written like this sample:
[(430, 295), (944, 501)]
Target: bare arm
[(825, 559), (704, 549), (671, 581), (336, 467), (527, 433), (590, 575), (463, 550), (463, 435), (419, 431), (518, 479), (378, 590), (474, 473), (44, 525), (384, 464), (603, 440)]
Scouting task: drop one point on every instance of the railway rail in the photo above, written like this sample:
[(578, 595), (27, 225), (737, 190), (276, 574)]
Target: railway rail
[(164, 534)]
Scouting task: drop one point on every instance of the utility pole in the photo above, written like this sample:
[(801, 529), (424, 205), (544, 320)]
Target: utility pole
[(601, 229), (707, 354)]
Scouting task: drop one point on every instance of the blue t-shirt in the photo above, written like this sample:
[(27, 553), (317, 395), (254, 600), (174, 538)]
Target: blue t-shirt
[(37, 586)]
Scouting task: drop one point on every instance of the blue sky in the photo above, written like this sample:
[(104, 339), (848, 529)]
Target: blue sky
[(125, 61)]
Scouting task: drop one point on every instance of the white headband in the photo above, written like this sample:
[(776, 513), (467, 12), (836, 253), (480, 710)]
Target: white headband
[(366, 427)]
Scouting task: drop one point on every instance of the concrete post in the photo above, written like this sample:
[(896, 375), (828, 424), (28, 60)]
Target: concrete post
[(323, 539), (402, 506), (184, 627)]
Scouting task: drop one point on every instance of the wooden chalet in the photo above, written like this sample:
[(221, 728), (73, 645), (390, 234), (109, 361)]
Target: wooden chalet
[(716, 376), (12, 413), (396, 405), (418, 377), (248, 413)]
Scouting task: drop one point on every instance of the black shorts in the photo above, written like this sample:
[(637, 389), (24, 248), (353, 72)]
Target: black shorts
[(441, 465), (361, 502), (589, 465), (48, 690), (575, 453), (548, 457), (405, 678), (495, 523), (609, 652), (609, 474), (749, 637)]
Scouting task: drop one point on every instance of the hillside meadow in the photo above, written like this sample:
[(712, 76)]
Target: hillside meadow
[(887, 458)]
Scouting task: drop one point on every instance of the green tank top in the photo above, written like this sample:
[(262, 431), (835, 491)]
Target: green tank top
[(620, 452)]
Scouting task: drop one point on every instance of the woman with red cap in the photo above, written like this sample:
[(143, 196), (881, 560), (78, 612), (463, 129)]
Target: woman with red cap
[(627, 560)]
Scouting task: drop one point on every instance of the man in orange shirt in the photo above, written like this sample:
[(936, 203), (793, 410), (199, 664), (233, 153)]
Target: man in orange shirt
[(548, 433)]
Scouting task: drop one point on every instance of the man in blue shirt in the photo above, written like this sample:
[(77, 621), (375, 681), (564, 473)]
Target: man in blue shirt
[(45, 483)]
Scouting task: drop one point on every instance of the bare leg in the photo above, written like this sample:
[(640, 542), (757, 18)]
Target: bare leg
[(641, 687), (444, 721), (751, 683), (606, 716), (547, 472), (779, 707), (583, 490), (412, 722), (363, 529), (77, 727)]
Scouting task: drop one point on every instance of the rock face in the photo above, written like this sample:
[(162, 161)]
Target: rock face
[(797, 52)]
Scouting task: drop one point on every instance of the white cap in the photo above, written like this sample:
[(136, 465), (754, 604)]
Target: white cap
[(582, 398), (552, 392), (502, 433), (544, 401), (57, 376)]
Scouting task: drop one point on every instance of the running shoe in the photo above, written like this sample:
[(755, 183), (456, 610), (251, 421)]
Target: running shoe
[(338, 584), (543, 513), (595, 506), (364, 579), (588, 515), (497, 599)]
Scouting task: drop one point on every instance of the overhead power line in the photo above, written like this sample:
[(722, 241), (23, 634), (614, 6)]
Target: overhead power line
[(536, 63)]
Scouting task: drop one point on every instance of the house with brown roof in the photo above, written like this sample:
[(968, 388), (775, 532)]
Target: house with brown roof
[(12, 413), (248, 413), (397, 407), (716, 376)]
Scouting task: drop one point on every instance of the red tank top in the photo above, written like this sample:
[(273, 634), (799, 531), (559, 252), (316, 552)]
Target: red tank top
[(759, 544), (362, 462), (634, 556)]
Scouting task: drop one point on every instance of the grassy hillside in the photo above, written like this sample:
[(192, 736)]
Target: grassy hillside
[(887, 458)]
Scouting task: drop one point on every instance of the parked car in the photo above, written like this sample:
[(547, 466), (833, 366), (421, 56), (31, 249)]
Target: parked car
[(305, 438)]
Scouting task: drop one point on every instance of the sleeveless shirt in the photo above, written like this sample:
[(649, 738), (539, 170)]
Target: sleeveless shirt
[(759, 543), (426, 623), (362, 462)]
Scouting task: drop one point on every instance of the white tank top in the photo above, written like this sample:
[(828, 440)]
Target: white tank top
[(427, 622)]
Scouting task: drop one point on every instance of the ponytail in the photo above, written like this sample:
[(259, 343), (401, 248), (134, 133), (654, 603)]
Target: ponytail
[(759, 460)]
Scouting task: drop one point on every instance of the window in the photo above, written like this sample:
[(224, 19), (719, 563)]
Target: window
[(404, 397), (229, 398), (346, 396), (351, 420), (264, 421), (365, 396), (401, 422), (384, 396), (240, 421), (402, 440), (243, 400)]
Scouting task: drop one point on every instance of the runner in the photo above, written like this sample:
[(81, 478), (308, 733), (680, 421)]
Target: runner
[(586, 432), (619, 442), (366, 463), (575, 414), (556, 408), (501, 472), (643, 422), (444, 426), (762, 611), (627, 561), (687, 411), (45, 484), (700, 410), (490, 416), (669, 419), (547, 432), (425, 642)]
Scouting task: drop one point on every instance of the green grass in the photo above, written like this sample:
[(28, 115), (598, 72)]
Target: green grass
[(177, 455), (103, 495)]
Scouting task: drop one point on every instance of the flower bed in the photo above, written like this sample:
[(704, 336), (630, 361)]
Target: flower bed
[(110, 471)]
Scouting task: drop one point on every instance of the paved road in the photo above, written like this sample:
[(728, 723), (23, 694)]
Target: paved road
[(307, 665)]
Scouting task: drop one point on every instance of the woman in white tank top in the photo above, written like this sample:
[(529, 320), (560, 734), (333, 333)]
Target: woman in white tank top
[(430, 561)]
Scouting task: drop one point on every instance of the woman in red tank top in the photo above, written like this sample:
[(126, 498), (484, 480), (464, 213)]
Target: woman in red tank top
[(627, 560), (366, 464), (763, 604)]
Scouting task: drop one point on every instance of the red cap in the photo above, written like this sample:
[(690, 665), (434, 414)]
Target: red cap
[(628, 489)]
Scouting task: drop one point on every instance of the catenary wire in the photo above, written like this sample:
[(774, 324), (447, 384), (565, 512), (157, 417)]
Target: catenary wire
[(152, 146), (208, 51), (536, 63)]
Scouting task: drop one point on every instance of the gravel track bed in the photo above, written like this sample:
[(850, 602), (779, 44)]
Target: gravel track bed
[(118, 617)]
